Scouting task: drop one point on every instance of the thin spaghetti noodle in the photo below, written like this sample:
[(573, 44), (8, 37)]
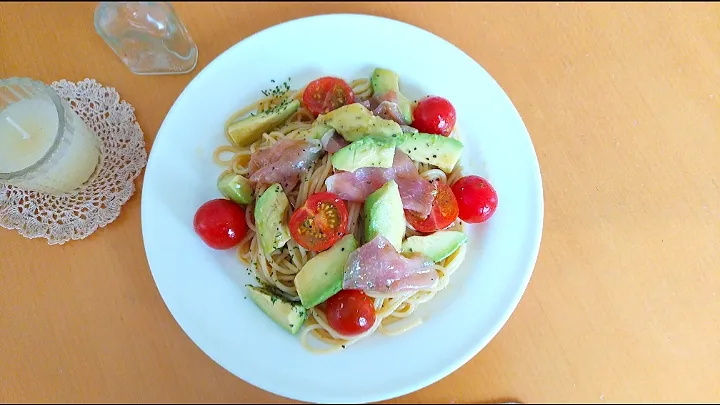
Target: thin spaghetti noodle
[(393, 312)]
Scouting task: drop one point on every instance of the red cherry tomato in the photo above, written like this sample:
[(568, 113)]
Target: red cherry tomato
[(443, 214), (220, 223), (476, 199), (320, 222), (350, 312), (326, 94), (434, 115)]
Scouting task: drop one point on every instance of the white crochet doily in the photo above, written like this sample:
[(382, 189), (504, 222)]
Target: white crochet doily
[(62, 218)]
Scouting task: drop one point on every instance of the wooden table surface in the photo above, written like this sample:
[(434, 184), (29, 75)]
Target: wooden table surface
[(623, 105)]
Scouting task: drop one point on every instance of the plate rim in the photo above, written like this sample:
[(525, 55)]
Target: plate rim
[(528, 263)]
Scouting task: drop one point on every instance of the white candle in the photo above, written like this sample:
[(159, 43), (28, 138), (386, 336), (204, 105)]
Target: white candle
[(29, 128)]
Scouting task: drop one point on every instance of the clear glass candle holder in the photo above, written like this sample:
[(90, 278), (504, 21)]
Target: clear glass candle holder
[(44, 145), (147, 36)]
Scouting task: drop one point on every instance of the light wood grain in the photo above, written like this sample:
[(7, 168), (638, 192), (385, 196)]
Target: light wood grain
[(623, 105)]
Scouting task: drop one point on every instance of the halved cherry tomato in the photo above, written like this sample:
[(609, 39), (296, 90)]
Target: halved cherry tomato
[(443, 214), (476, 199), (434, 115), (320, 222), (350, 312), (326, 94), (220, 223)]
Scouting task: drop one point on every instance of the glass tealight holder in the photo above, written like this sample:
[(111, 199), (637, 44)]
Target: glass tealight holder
[(44, 145), (147, 36)]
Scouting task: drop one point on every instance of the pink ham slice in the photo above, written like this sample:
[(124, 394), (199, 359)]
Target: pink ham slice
[(386, 107), (389, 110), (283, 162), (417, 194), (378, 267), (333, 142)]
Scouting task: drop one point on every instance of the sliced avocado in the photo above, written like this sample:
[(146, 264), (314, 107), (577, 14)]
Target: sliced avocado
[(315, 132), (354, 121), (322, 276), (386, 86), (250, 129), (270, 217), (236, 188), (289, 315), (384, 215), (437, 150), (369, 151), (437, 246)]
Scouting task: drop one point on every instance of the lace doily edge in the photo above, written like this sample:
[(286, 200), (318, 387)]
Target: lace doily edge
[(112, 214)]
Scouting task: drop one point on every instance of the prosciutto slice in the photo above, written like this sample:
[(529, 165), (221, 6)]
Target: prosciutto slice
[(283, 162), (390, 110), (386, 107), (378, 267), (333, 142), (417, 194)]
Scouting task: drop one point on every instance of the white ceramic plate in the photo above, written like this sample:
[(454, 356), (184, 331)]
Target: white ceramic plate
[(204, 289)]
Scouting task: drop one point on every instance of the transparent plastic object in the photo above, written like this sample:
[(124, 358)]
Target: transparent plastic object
[(148, 37)]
